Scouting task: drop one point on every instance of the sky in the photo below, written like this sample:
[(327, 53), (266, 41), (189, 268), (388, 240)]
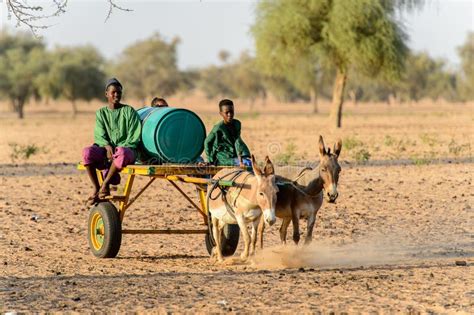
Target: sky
[(206, 27)]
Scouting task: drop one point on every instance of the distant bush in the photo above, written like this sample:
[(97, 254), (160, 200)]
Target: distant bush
[(361, 156), (458, 149), (388, 140), (24, 152), (351, 143), (420, 160), (288, 156), (428, 139)]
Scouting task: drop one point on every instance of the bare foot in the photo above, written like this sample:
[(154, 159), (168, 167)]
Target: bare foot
[(104, 192), (92, 199)]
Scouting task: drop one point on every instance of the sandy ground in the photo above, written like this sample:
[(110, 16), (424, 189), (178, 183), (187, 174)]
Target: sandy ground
[(390, 243)]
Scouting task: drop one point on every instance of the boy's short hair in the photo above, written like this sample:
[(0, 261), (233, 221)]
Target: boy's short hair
[(114, 82), (225, 102)]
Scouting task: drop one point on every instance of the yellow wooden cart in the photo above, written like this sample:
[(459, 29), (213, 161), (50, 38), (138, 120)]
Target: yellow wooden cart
[(105, 219)]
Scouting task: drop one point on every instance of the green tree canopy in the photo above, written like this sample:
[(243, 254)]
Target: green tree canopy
[(423, 77), (426, 77), (216, 81), (149, 68), (247, 81), (75, 74), (22, 60), (363, 35)]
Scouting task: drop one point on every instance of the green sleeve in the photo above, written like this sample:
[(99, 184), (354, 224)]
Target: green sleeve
[(100, 132), (209, 146), (240, 146), (134, 130)]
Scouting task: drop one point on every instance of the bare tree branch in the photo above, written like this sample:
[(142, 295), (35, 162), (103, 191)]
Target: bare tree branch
[(112, 6), (33, 16)]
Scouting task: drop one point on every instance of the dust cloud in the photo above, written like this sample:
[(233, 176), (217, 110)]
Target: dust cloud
[(371, 251)]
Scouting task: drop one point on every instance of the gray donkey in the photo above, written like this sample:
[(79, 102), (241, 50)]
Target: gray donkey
[(295, 201)]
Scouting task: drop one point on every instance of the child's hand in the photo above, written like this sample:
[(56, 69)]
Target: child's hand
[(241, 163), (110, 152)]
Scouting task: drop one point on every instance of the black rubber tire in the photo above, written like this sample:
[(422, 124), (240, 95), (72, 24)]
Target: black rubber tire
[(230, 240), (112, 238)]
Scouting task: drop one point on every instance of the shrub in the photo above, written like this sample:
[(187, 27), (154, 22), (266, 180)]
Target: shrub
[(458, 149), (288, 155), (361, 156), (388, 140), (351, 143), (420, 160), (23, 152), (429, 140)]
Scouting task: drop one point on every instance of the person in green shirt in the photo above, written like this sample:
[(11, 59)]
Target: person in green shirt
[(223, 145), (116, 137)]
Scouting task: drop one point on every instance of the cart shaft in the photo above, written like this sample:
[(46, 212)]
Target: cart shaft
[(164, 231)]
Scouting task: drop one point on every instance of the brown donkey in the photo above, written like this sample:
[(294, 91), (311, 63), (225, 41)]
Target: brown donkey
[(295, 201), (252, 195)]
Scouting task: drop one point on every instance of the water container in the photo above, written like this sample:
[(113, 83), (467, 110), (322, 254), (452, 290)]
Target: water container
[(171, 135)]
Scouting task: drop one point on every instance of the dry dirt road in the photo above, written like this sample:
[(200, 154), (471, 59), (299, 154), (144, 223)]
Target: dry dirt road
[(389, 244)]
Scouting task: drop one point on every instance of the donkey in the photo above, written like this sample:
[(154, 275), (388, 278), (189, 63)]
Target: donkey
[(295, 201), (252, 195)]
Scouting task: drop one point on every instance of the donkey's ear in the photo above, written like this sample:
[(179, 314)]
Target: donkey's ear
[(255, 167), (268, 170), (322, 149), (338, 147)]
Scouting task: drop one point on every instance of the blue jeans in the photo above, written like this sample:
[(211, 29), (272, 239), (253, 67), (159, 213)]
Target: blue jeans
[(245, 161)]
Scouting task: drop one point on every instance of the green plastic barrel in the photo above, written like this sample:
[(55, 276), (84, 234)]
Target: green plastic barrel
[(171, 135)]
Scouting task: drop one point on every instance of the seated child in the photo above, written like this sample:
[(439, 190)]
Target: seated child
[(116, 137), (223, 145), (159, 102)]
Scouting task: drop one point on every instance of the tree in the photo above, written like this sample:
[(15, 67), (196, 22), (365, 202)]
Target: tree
[(22, 59), (149, 68), (75, 74), (365, 88), (423, 77), (466, 53), (247, 82), (305, 76), (189, 78), (282, 53), (33, 16), (341, 34), (281, 88), (223, 55), (426, 77), (216, 82)]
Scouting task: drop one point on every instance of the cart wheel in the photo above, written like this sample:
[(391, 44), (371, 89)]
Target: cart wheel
[(230, 240), (105, 230)]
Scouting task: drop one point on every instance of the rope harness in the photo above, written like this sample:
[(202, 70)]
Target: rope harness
[(294, 184), (303, 171), (222, 194)]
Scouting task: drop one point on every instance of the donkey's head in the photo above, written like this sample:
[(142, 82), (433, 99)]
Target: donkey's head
[(266, 191), (329, 168)]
